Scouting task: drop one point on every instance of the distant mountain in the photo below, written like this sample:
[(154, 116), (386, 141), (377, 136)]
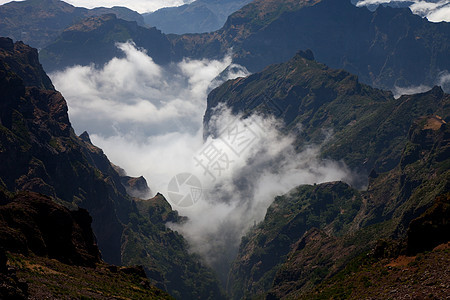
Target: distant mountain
[(38, 22), (313, 232), (93, 40), (385, 48), (196, 17), (40, 153)]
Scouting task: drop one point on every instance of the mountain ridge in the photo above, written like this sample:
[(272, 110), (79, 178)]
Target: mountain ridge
[(38, 22)]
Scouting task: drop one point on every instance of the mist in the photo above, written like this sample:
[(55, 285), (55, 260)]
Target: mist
[(442, 80), (148, 120), (434, 11)]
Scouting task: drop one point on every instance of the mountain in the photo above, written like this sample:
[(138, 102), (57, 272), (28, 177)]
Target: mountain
[(369, 126), (38, 22), (315, 238), (410, 205), (93, 40), (40, 153), (196, 17), (400, 148), (385, 48)]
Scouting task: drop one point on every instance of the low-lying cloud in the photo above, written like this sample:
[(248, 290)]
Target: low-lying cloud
[(442, 80), (134, 95), (434, 11), (148, 120)]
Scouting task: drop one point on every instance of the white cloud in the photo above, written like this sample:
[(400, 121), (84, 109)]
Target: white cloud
[(400, 91), (148, 120), (135, 94), (434, 11), (442, 80), (140, 6)]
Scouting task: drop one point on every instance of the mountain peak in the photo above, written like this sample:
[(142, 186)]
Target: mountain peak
[(307, 54), (6, 44), (85, 137)]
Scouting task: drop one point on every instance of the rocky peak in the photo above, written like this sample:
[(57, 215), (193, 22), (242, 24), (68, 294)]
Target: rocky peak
[(136, 186), (85, 137), (307, 54)]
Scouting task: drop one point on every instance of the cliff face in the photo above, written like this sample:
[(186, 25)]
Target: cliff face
[(41, 153)]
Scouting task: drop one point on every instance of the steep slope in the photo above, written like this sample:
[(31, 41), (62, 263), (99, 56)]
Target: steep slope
[(41, 153), (196, 17), (264, 249), (49, 251), (33, 223), (385, 48), (93, 40), (369, 127), (336, 227), (38, 22)]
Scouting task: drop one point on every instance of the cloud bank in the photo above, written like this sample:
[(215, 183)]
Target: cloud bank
[(434, 11), (148, 120)]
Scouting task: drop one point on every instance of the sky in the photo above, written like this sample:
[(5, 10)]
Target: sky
[(148, 120), (434, 10)]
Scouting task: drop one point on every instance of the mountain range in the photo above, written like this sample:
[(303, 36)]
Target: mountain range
[(379, 47), (198, 16), (74, 225)]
